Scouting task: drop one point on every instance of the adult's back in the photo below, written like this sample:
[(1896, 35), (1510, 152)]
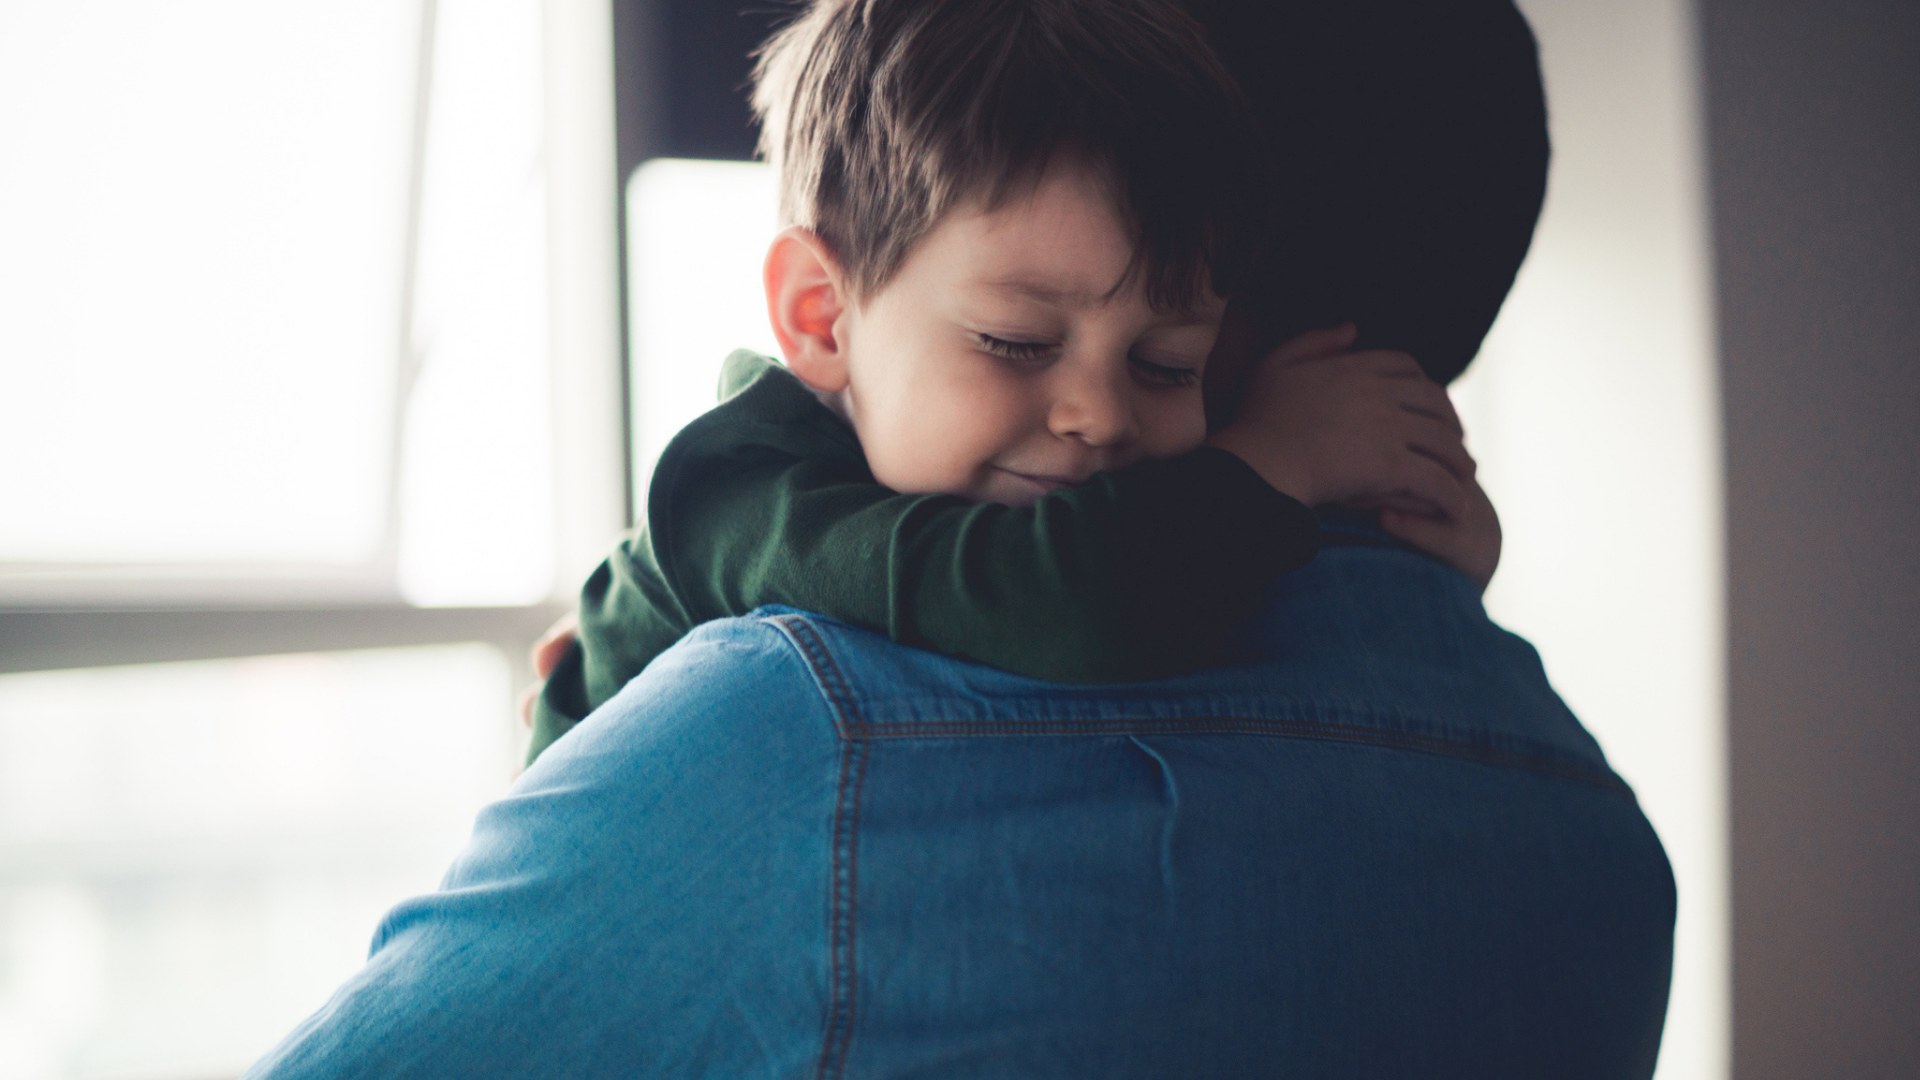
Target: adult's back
[(1381, 847)]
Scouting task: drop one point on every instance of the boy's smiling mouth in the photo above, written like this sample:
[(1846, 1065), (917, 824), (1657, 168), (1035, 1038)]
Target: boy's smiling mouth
[(1045, 482)]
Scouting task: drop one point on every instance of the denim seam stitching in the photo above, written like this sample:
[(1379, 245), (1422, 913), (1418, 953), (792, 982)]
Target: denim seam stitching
[(843, 878), (843, 914), (1274, 728), (826, 672)]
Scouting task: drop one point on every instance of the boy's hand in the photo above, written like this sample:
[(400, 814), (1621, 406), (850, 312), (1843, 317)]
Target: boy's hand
[(1370, 431), (1367, 428), (1468, 542), (545, 654)]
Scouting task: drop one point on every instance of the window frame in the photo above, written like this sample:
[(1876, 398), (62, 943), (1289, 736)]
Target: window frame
[(68, 615)]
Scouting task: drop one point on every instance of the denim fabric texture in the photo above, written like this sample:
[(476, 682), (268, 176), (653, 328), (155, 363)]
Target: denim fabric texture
[(1380, 847)]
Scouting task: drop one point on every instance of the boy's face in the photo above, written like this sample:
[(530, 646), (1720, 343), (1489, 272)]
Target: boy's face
[(1001, 363)]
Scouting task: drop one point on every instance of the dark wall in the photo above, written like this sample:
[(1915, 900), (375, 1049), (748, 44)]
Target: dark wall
[(1814, 140), (681, 74)]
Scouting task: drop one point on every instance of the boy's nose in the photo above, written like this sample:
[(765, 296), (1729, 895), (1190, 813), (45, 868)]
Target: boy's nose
[(1094, 407)]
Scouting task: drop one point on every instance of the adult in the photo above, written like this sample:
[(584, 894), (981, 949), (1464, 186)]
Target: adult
[(1381, 846)]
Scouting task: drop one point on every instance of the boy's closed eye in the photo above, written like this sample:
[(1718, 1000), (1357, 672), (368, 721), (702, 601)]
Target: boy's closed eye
[(1170, 372), (1019, 351)]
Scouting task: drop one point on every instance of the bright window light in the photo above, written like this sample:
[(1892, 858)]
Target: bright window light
[(476, 505), (202, 211), (697, 234), (273, 301), (194, 856)]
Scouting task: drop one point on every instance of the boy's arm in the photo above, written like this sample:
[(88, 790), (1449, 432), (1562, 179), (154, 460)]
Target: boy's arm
[(1371, 432), (1468, 541), (627, 616), (1138, 573)]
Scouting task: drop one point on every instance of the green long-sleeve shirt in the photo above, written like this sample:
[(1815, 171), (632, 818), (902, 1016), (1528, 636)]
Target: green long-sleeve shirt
[(1138, 573)]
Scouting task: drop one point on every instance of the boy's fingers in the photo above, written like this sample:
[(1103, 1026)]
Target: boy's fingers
[(1444, 417), (1426, 479), (1435, 536), (1233, 370), (1416, 527), (1394, 501), (552, 646), (1389, 364), (1428, 398), (1434, 438), (1448, 452), (1474, 551), (1413, 389), (525, 704)]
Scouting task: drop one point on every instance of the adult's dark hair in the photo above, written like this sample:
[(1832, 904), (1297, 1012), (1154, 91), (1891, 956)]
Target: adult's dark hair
[(1413, 140), (884, 115)]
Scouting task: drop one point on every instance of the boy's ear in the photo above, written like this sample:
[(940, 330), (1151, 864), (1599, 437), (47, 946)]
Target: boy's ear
[(808, 306)]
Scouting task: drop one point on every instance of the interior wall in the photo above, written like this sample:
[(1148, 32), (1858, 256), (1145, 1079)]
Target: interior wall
[(1814, 142)]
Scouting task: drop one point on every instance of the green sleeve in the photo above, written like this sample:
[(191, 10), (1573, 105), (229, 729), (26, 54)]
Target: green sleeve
[(1139, 573), (627, 617)]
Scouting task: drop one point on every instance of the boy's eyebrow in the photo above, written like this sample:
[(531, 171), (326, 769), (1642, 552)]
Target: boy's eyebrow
[(1034, 289)]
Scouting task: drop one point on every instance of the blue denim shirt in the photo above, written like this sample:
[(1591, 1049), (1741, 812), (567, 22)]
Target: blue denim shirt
[(1379, 847)]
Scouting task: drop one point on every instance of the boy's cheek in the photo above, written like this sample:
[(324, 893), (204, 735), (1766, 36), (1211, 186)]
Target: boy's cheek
[(915, 456), (1184, 430)]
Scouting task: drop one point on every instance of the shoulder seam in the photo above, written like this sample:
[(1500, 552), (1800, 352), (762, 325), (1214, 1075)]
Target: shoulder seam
[(836, 1035), (833, 684), (852, 725)]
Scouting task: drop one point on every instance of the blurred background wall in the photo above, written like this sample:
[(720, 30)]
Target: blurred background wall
[(1814, 146)]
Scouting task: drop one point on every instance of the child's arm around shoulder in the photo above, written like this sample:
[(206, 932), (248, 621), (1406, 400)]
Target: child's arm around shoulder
[(1366, 430), (1140, 572)]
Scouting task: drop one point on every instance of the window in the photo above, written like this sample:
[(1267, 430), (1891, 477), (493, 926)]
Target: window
[(274, 289), (193, 855), (697, 233), (309, 421)]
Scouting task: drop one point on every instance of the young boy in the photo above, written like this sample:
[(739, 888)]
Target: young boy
[(1011, 224)]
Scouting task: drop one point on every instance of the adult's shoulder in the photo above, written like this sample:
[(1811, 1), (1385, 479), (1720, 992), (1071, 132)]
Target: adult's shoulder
[(651, 897), (731, 685)]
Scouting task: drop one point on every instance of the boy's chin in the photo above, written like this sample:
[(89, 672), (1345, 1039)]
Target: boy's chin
[(993, 485), (1009, 488)]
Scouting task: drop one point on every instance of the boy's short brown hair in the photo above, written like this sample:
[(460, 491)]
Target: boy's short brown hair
[(883, 115)]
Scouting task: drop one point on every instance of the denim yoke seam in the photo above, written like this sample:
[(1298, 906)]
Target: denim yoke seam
[(1307, 731), (843, 880), (856, 733)]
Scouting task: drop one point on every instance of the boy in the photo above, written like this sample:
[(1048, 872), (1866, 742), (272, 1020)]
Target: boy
[(1010, 226)]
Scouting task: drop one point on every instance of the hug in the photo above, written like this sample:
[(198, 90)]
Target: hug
[(1067, 658)]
